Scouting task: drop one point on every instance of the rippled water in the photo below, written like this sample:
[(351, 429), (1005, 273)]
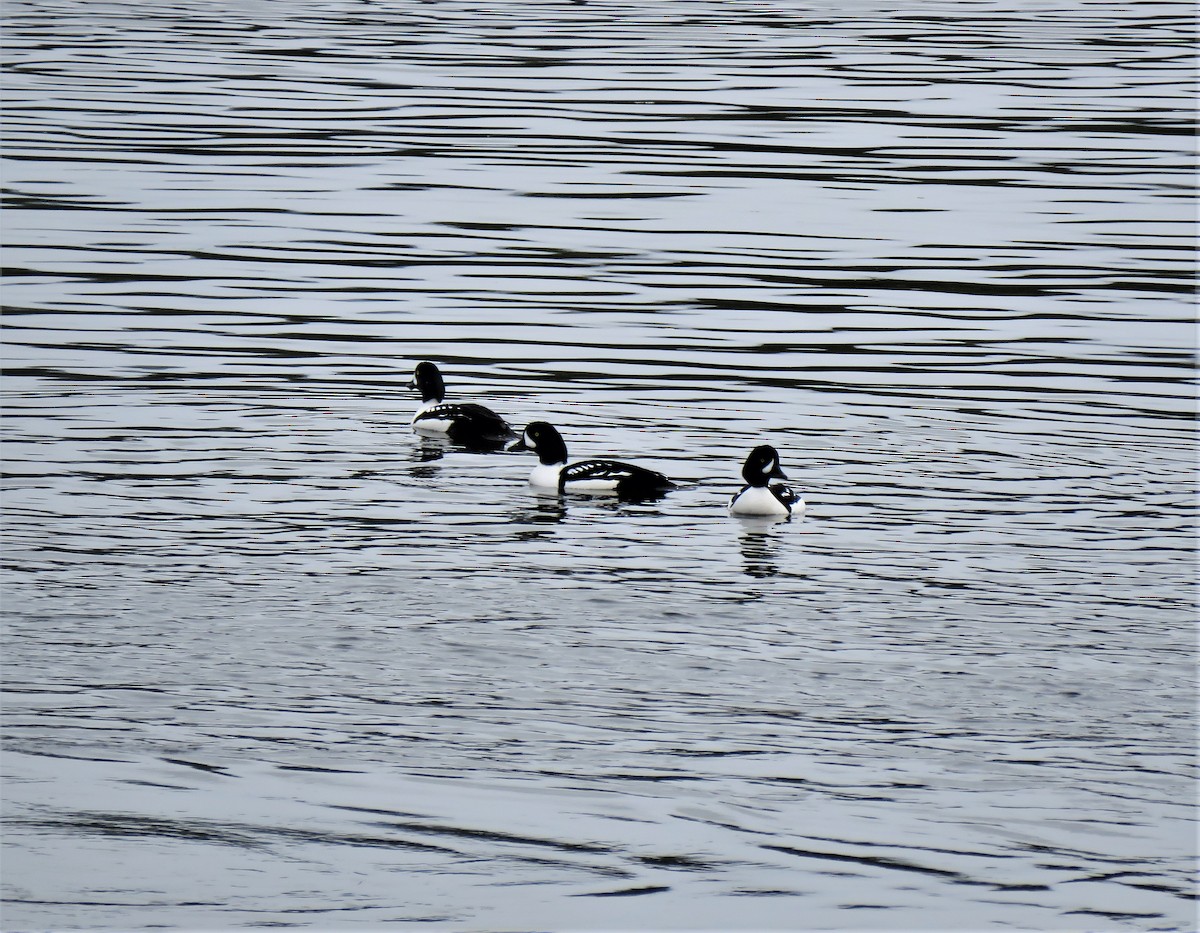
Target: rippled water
[(272, 660)]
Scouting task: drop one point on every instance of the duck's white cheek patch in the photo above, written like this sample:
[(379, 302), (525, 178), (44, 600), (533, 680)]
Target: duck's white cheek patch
[(770, 465)]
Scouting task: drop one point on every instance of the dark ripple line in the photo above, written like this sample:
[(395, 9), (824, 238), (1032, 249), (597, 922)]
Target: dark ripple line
[(242, 835), (627, 892), (876, 862), (480, 834), (143, 904), (1114, 914)]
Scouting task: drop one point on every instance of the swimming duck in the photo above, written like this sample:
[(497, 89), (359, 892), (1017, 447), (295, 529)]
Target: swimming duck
[(464, 423), (759, 496), (595, 476)]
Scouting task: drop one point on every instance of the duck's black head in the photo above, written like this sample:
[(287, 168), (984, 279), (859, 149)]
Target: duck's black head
[(762, 466), (544, 440), (428, 381)]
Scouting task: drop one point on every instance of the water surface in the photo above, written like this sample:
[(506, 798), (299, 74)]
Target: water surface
[(270, 659)]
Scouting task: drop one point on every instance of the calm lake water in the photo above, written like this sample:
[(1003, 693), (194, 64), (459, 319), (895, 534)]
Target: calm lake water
[(271, 660)]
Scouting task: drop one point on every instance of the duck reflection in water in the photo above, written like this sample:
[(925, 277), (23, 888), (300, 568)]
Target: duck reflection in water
[(430, 448), (424, 456), (537, 521), (759, 543)]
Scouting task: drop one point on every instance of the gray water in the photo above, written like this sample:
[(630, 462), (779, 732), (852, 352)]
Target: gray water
[(272, 660)]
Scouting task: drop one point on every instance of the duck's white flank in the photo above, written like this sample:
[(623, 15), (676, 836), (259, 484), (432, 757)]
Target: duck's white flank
[(608, 484), (430, 425)]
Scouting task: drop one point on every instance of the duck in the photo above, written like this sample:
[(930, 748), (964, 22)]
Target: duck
[(463, 423), (759, 496), (594, 476)]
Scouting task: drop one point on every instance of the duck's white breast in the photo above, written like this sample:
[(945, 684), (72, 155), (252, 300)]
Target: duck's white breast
[(758, 500), (432, 425), (544, 475)]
